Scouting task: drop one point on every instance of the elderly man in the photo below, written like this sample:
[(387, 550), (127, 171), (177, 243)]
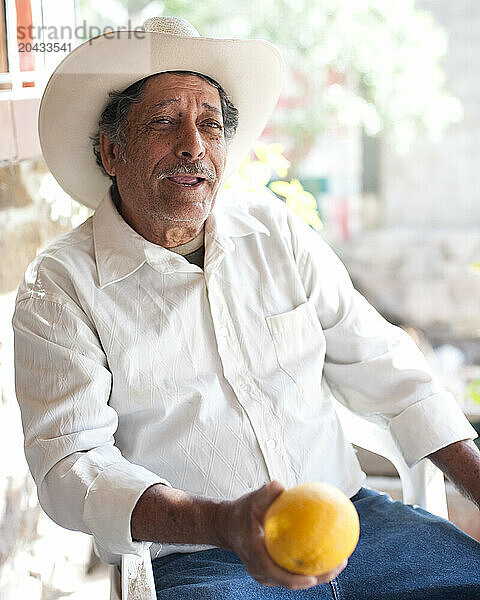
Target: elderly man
[(177, 355)]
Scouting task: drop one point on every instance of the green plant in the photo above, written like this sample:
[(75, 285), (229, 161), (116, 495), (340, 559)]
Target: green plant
[(473, 390)]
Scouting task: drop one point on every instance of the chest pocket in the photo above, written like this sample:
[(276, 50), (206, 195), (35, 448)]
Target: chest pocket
[(299, 345)]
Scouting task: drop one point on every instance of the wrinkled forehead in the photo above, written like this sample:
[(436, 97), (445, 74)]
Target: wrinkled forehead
[(181, 85)]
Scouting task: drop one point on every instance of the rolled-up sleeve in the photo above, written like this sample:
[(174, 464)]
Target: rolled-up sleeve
[(63, 387), (373, 367)]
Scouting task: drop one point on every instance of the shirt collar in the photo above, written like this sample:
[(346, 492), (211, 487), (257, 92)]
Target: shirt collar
[(230, 218), (120, 250)]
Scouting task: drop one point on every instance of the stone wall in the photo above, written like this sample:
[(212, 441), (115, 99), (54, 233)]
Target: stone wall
[(420, 278), (423, 280), (38, 559)]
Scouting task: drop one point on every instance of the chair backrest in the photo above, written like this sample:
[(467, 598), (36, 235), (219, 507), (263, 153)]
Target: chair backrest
[(422, 485)]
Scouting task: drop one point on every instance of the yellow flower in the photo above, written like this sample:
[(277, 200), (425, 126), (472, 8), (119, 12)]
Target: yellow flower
[(300, 201), (254, 176), (272, 155)]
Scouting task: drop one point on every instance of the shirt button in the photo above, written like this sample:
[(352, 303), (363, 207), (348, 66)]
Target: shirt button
[(271, 443), (223, 331)]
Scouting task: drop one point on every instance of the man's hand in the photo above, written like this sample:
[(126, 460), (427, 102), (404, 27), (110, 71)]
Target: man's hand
[(239, 525), (166, 515)]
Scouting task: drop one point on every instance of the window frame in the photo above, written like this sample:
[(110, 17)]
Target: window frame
[(3, 39)]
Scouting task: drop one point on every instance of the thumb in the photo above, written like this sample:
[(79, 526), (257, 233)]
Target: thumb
[(268, 493)]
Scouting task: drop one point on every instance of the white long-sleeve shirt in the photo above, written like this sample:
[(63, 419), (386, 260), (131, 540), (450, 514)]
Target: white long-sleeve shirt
[(135, 367)]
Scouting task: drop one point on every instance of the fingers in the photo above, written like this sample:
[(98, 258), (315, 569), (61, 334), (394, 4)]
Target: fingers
[(278, 576), (262, 568), (266, 572), (265, 495), (326, 577)]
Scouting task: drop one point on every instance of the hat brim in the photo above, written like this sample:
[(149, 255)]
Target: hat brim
[(250, 71)]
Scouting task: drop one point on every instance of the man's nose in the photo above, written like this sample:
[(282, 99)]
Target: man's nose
[(189, 143)]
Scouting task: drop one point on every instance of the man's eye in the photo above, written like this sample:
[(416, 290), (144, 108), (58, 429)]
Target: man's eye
[(213, 125), (161, 120)]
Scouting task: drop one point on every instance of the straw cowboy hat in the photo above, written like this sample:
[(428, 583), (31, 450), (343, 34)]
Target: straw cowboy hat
[(250, 72)]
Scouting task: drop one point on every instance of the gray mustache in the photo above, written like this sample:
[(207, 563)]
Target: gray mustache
[(188, 168)]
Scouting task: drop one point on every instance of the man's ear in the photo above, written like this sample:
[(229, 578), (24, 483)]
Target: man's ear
[(109, 152)]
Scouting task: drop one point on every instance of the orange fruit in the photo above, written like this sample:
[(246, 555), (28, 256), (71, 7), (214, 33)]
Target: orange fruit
[(311, 528)]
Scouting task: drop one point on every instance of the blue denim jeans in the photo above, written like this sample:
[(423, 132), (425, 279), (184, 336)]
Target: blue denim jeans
[(403, 553)]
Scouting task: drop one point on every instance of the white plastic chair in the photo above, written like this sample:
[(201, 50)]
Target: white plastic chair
[(136, 581), (423, 485)]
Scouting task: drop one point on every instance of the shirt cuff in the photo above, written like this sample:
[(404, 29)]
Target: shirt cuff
[(429, 425), (109, 504)]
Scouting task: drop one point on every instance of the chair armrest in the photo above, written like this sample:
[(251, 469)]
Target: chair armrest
[(136, 580), (422, 485)]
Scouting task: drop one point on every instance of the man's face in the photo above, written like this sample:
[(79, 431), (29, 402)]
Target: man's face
[(174, 156)]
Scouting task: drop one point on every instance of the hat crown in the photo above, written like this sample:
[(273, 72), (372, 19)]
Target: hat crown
[(170, 26)]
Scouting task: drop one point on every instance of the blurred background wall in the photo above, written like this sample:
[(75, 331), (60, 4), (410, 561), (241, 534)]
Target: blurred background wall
[(379, 120), (436, 184)]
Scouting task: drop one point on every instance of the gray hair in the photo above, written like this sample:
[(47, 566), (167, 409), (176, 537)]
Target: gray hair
[(113, 117)]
